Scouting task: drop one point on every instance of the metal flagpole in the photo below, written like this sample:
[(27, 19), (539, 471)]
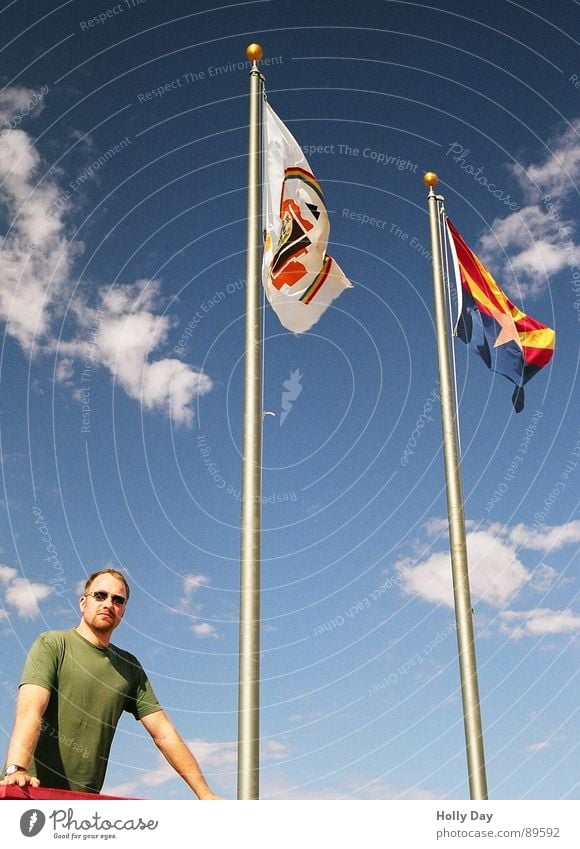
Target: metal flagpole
[(249, 663), (462, 596)]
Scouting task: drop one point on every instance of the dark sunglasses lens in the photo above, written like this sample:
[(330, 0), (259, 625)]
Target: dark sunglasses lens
[(101, 595)]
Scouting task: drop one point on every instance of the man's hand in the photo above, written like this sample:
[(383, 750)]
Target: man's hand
[(210, 797), (20, 779)]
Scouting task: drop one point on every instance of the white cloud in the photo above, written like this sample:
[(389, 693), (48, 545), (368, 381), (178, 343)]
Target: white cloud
[(548, 538), (172, 386), (534, 623), (220, 755), (527, 247), (436, 527), (346, 787), (21, 593), (121, 334), (378, 789), (543, 577), (543, 744), (274, 750), (35, 265), (64, 371), (536, 747), (7, 574), (205, 629), (559, 172), (19, 101), (155, 777), (126, 789), (313, 716), (191, 584), (224, 755), (495, 572), (36, 256)]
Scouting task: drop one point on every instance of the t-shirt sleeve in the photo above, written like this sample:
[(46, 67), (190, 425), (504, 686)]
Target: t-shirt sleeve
[(144, 700), (42, 663)]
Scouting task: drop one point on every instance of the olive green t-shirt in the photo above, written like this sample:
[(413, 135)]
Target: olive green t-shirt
[(90, 687)]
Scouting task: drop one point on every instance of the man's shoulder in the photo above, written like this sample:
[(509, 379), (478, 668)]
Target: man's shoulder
[(45, 658), (54, 638)]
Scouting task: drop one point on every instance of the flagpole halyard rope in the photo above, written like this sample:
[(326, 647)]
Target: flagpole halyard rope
[(263, 99), (447, 280)]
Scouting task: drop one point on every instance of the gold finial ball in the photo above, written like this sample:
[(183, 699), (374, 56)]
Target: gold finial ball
[(430, 178), (254, 52)]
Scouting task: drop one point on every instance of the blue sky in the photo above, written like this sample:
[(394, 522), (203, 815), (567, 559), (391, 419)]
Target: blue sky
[(123, 200)]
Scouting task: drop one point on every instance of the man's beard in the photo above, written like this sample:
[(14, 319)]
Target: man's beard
[(103, 623)]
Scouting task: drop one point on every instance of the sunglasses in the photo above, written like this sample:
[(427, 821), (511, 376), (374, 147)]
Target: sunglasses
[(101, 595)]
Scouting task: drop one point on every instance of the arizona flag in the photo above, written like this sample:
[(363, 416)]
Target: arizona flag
[(507, 340), (299, 277)]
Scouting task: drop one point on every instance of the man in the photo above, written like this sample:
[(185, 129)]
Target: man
[(74, 687)]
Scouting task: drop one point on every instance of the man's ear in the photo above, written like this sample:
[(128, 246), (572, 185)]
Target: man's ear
[(82, 602)]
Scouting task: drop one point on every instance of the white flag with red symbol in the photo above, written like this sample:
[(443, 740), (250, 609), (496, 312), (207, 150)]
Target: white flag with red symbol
[(299, 277)]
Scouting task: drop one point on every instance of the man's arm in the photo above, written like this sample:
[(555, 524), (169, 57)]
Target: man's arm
[(177, 753), (30, 707)]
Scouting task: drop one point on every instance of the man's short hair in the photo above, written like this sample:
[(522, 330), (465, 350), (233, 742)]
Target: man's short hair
[(114, 572)]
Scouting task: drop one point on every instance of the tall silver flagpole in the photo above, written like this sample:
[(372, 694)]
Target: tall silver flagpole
[(459, 568), (249, 668)]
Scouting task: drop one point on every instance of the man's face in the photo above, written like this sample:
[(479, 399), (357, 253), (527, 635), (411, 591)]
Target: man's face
[(103, 616)]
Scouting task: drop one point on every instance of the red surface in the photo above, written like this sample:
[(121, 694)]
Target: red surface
[(12, 791)]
